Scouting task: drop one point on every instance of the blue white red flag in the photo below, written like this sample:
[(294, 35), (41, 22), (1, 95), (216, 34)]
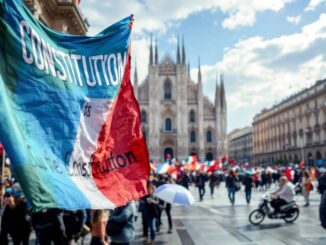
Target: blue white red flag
[(69, 120)]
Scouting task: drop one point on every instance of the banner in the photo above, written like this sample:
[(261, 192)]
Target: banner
[(69, 120)]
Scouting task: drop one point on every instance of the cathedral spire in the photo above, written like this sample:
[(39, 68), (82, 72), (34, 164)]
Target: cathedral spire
[(151, 51), (156, 52), (199, 72), (188, 69), (178, 51), (222, 92), (217, 91), (183, 51)]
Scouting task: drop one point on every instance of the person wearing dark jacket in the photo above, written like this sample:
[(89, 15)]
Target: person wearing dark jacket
[(231, 182), (200, 183), (49, 226), (15, 221), (212, 180), (322, 207), (185, 180), (248, 183), (74, 221), (150, 211), (124, 214)]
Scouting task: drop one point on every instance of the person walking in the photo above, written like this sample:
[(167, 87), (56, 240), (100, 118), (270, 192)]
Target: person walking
[(99, 219), (124, 216), (212, 182), (185, 179), (151, 211), (16, 220), (74, 222), (306, 187), (200, 183), (248, 184), (231, 185), (322, 190)]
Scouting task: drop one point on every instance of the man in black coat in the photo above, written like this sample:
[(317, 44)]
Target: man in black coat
[(322, 206)]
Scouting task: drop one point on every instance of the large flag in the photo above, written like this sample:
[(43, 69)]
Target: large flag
[(69, 120)]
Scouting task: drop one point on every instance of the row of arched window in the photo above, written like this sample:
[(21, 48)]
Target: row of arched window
[(192, 117), (168, 128), (209, 136)]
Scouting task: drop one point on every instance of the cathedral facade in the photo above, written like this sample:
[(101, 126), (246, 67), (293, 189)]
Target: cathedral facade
[(177, 118)]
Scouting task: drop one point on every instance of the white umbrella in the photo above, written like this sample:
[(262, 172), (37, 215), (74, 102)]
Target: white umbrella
[(174, 194)]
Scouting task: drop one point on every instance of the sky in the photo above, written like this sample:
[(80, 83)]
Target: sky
[(266, 50)]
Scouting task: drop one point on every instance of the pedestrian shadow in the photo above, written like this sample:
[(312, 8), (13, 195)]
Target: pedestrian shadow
[(143, 242), (261, 227)]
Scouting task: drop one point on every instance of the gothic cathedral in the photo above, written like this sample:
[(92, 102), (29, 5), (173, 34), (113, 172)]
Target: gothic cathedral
[(177, 118)]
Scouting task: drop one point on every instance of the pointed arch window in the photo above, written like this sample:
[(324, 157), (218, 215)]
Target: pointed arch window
[(167, 90), (192, 136), (168, 124), (192, 116), (209, 136)]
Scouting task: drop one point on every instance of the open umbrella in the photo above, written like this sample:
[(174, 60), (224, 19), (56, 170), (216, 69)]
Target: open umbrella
[(174, 194)]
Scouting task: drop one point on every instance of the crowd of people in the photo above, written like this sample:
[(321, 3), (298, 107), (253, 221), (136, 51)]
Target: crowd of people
[(117, 226)]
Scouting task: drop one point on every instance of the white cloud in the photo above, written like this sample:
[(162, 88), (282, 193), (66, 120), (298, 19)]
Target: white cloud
[(313, 4), (158, 15), (294, 19), (260, 71), (173, 39), (243, 13)]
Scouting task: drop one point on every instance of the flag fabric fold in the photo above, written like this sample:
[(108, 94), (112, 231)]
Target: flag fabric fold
[(69, 120)]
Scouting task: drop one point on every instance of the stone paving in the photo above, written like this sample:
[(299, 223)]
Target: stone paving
[(215, 221)]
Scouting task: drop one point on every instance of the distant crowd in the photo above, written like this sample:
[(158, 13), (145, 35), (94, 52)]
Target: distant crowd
[(118, 226)]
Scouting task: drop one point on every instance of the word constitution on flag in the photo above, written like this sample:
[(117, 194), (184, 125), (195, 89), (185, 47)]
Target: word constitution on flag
[(70, 122)]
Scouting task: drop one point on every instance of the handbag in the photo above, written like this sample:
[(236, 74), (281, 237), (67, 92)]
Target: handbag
[(309, 186)]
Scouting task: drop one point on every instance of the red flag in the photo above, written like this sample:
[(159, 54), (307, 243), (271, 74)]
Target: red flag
[(121, 140), (213, 167)]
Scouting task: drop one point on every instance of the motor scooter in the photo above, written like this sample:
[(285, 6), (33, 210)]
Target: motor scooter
[(289, 212)]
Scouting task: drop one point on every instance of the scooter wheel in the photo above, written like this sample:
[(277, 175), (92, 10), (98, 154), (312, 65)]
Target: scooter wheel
[(256, 217), (292, 217)]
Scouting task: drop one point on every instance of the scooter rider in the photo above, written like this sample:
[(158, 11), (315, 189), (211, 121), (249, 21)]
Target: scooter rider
[(284, 194)]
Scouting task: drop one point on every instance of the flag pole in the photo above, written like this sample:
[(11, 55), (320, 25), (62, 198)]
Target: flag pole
[(3, 175)]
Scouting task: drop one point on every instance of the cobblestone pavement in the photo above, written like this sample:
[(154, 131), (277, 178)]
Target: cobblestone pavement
[(215, 221)]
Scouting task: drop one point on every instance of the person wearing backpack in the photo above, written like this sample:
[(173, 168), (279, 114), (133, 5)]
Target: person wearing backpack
[(306, 187)]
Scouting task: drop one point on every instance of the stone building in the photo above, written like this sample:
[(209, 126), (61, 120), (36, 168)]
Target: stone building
[(294, 129), (60, 15), (177, 118), (240, 145)]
